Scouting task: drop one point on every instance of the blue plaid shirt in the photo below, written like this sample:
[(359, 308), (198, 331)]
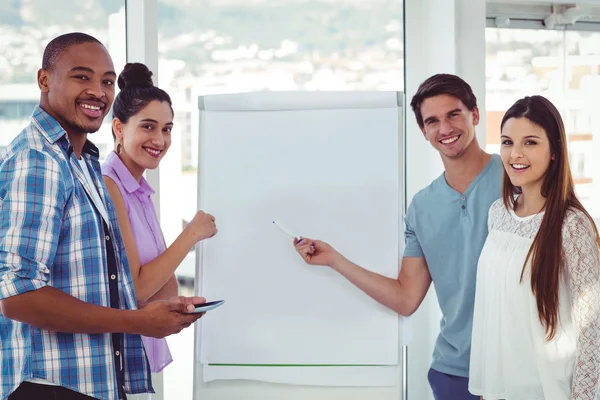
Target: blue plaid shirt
[(52, 235)]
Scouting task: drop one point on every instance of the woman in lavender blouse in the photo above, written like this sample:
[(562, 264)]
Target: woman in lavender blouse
[(143, 118)]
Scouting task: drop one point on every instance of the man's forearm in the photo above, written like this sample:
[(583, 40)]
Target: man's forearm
[(384, 290), (51, 309)]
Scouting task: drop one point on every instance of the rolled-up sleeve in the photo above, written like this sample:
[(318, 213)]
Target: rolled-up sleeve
[(32, 199)]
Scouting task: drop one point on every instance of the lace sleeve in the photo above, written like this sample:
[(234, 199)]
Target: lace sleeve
[(583, 271)]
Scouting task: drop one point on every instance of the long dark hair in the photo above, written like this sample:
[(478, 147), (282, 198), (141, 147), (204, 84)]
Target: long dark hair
[(546, 252), (137, 90)]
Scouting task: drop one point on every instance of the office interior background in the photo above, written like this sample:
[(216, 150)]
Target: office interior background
[(504, 49)]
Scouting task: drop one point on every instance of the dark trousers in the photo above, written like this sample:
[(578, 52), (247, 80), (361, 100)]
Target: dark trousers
[(31, 391), (449, 387)]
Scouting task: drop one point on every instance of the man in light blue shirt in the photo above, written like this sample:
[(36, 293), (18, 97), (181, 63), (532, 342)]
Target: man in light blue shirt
[(446, 227)]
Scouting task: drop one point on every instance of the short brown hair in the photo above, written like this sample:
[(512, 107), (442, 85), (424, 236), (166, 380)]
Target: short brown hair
[(439, 84)]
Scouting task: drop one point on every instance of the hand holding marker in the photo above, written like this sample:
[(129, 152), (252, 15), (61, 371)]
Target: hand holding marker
[(285, 230)]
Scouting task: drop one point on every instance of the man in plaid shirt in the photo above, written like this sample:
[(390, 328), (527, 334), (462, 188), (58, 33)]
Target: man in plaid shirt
[(70, 327)]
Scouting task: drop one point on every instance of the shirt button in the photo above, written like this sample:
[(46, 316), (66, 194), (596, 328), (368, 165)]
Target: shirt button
[(107, 237), (117, 353), (113, 277), (462, 198), (463, 207)]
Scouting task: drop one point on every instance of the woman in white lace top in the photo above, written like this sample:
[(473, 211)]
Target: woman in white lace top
[(536, 327)]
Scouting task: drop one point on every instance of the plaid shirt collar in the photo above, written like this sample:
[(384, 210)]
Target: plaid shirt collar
[(53, 132)]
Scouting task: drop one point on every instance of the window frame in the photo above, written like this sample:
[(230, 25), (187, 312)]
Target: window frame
[(532, 15)]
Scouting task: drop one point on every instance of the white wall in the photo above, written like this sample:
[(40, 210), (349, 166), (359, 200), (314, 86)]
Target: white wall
[(142, 46), (442, 36)]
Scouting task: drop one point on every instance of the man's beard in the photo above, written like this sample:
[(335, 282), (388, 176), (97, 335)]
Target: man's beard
[(79, 128)]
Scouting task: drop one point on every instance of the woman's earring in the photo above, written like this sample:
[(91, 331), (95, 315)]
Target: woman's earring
[(119, 148)]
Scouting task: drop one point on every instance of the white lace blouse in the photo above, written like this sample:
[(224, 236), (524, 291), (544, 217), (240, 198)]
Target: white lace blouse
[(510, 357)]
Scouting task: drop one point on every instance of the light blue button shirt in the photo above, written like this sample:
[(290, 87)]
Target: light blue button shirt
[(449, 229)]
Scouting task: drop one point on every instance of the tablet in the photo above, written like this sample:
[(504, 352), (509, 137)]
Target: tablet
[(204, 307)]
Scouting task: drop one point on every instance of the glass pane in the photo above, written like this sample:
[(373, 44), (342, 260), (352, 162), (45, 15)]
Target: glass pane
[(565, 68), (520, 62), (26, 27), (582, 120), (224, 46)]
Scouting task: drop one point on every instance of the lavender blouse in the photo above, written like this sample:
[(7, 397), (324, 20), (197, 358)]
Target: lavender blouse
[(147, 234)]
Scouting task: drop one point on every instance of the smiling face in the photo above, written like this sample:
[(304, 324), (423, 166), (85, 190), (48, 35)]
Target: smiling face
[(448, 124), (79, 90), (145, 137), (525, 152)]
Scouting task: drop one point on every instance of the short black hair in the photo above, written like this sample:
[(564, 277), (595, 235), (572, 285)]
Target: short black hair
[(59, 44), (439, 84)]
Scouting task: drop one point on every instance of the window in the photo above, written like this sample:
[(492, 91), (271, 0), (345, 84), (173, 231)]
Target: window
[(25, 29), (563, 66), (11, 110), (236, 46)]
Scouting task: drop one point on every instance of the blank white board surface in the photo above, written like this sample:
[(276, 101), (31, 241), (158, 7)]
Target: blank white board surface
[(327, 166)]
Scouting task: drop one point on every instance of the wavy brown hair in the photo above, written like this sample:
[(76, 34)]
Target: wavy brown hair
[(546, 252)]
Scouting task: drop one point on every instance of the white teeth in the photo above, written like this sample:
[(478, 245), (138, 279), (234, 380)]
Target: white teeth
[(519, 166), (451, 140), (152, 151), (89, 107)]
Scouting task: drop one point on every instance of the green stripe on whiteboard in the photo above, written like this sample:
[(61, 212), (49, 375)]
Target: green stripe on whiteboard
[(298, 365)]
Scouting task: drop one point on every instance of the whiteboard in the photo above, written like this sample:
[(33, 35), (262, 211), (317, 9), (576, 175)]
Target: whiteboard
[(328, 164)]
